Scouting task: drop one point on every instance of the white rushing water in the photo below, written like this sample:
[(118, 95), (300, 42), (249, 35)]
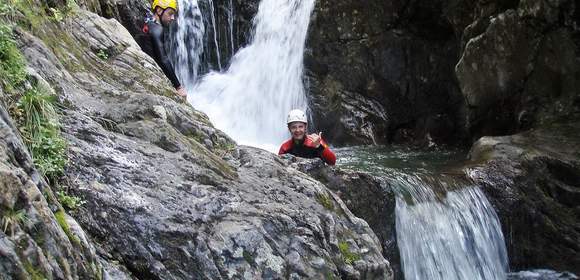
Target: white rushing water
[(216, 47), (231, 25), (187, 42), (250, 100), (455, 237)]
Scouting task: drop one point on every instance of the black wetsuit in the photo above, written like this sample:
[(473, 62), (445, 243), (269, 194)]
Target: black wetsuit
[(161, 57)]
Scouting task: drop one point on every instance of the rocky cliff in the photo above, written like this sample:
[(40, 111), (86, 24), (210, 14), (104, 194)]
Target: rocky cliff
[(533, 180), (443, 71)]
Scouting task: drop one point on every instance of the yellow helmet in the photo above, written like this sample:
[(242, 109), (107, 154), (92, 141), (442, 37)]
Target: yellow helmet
[(164, 4)]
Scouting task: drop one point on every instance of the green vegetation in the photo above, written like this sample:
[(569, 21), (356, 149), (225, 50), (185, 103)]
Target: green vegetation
[(248, 257), (34, 110), (56, 14), (222, 150), (325, 200), (11, 218), (69, 202), (59, 14), (348, 256), (38, 122), (12, 65), (33, 272), (103, 54), (61, 220), (97, 270)]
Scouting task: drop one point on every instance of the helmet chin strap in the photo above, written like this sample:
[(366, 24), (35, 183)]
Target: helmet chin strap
[(163, 12)]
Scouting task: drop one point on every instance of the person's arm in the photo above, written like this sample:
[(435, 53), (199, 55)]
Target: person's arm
[(326, 154), (156, 34)]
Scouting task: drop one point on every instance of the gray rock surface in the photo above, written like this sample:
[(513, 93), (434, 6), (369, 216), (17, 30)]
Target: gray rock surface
[(34, 244), (369, 197), (533, 181), (520, 67)]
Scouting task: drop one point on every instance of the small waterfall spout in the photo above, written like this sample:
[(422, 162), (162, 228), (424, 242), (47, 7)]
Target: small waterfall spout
[(187, 42), (455, 235)]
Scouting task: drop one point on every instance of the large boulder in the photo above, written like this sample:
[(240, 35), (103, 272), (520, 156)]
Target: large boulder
[(519, 68), (533, 181), (167, 195), (382, 71), (369, 197)]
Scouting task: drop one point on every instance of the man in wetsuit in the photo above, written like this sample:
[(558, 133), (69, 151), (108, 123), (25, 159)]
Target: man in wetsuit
[(164, 13), (303, 145)]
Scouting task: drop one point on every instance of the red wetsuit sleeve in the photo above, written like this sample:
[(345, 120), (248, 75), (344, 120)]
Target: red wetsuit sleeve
[(327, 155), (286, 146)]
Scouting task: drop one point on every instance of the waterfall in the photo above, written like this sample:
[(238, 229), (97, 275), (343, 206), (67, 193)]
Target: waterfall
[(263, 82), (215, 34), (231, 26), (450, 235), (187, 41)]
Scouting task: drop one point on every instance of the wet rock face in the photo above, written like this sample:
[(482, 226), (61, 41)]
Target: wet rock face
[(368, 197), (533, 180), (383, 71), (170, 197), (519, 68), (33, 242)]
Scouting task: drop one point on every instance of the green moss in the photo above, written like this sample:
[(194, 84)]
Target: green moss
[(61, 220), (329, 275), (102, 54), (248, 257), (325, 200), (223, 149), (33, 272), (348, 256)]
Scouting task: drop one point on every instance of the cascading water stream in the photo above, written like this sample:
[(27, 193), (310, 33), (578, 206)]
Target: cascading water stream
[(187, 42), (455, 237), (264, 80), (231, 25), (215, 34)]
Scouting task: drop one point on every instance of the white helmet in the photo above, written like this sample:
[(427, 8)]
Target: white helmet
[(296, 116)]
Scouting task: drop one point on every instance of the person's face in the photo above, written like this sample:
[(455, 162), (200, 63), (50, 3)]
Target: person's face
[(298, 130), (166, 17)]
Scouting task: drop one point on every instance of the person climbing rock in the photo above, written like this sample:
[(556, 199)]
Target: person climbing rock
[(156, 25), (302, 144)]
